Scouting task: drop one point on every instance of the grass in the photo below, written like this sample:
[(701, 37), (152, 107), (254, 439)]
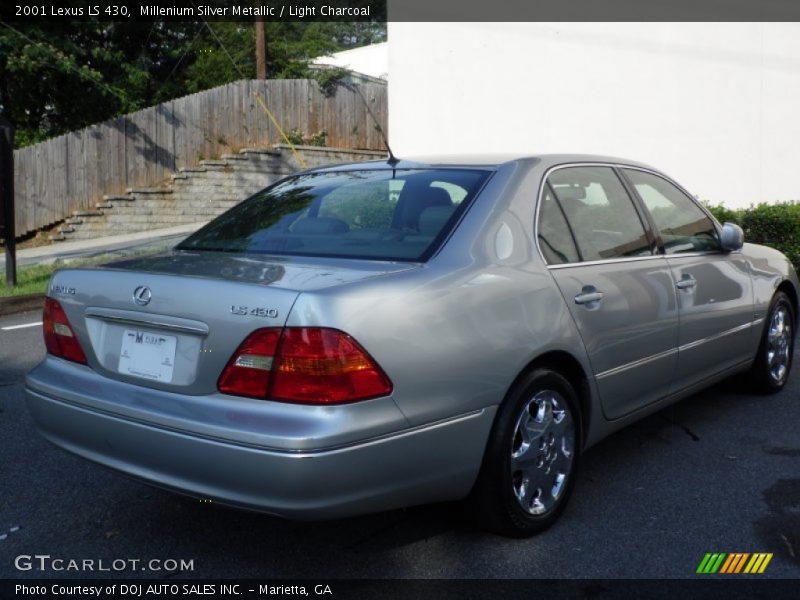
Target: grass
[(30, 280), (33, 279)]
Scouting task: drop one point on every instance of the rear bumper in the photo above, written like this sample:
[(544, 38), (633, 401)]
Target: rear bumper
[(436, 462)]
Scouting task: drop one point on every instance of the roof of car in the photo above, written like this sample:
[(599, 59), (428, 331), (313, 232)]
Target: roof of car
[(482, 161)]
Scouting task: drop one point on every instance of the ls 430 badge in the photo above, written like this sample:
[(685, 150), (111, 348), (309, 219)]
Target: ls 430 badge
[(259, 311)]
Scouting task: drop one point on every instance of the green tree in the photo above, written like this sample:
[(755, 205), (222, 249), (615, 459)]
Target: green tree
[(59, 76)]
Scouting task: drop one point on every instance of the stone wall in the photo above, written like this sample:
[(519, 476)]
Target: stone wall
[(200, 193)]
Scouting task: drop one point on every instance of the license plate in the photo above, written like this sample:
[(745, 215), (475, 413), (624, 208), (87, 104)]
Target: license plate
[(147, 355)]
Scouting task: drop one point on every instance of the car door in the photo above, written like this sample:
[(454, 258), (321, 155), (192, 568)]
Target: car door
[(601, 253), (714, 288)]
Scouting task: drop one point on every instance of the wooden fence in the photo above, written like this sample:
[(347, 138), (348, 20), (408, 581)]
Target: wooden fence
[(73, 171)]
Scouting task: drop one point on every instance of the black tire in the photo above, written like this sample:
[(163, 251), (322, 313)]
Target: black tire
[(766, 374), (497, 500)]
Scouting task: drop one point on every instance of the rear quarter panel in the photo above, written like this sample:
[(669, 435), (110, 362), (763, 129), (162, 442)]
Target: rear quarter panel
[(454, 334)]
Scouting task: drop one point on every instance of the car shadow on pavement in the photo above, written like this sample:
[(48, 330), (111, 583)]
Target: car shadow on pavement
[(262, 539), (653, 480), (227, 540)]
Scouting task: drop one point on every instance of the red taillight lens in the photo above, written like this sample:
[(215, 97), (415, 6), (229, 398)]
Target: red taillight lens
[(310, 365), (248, 371), (59, 338), (325, 366)]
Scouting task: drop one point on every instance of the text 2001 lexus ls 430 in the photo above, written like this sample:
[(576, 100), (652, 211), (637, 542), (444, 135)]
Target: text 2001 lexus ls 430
[(372, 336)]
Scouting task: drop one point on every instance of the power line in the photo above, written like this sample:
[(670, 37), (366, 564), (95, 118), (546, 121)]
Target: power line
[(221, 45), (177, 64), (219, 41)]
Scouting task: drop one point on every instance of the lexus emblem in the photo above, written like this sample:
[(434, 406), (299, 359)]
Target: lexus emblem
[(142, 295)]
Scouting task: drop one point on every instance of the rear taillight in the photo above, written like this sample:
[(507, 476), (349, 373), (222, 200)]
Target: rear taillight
[(310, 365), (59, 338), (325, 366), (249, 371)]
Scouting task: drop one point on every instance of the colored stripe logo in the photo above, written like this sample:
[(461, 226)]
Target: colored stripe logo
[(733, 563)]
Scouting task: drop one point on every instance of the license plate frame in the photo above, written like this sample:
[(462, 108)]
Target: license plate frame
[(147, 355)]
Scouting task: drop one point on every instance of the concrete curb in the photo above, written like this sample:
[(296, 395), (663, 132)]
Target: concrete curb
[(18, 304), (81, 248)]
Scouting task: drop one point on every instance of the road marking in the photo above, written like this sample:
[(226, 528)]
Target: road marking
[(21, 326)]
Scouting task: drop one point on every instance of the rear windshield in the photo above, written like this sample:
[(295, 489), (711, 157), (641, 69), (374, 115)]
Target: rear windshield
[(384, 215)]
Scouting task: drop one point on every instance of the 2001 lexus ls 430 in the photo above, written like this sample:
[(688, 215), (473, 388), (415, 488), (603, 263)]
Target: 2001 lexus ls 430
[(371, 336)]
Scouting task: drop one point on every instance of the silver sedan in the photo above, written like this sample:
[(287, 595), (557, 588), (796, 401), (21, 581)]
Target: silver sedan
[(371, 336)]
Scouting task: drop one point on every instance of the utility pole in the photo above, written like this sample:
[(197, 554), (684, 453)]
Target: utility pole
[(7, 230), (261, 45)]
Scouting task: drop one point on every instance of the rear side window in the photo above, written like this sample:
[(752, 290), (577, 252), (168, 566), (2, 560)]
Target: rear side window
[(600, 213), (400, 214), (555, 238), (683, 225)]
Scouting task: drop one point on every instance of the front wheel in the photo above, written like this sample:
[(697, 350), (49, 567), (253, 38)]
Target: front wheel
[(531, 457), (775, 353)]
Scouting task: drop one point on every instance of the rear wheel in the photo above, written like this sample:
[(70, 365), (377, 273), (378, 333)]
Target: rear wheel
[(530, 461), (774, 361)]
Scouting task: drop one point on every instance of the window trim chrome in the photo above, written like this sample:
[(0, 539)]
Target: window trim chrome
[(618, 166), (606, 261), (677, 185)]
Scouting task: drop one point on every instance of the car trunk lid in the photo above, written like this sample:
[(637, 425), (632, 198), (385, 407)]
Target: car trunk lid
[(173, 321)]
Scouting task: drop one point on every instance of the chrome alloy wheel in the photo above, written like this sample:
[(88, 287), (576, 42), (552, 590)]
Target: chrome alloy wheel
[(779, 343), (542, 452)]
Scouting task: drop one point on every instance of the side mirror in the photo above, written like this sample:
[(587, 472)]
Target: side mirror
[(732, 237)]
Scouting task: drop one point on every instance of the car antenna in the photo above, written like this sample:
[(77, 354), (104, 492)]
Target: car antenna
[(392, 160)]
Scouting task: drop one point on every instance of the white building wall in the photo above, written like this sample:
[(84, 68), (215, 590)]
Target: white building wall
[(372, 60), (715, 105)]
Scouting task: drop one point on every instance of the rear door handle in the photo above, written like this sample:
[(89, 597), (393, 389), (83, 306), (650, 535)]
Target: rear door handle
[(589, 295), (686, 282)]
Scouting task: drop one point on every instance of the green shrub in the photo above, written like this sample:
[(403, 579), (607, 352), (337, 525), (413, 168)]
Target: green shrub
[(774, 225), (724, 214), (329, 79), (296, 137), (319, 139)]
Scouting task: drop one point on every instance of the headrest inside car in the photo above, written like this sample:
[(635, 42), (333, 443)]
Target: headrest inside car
[(431, 220), (414, 201), (569, 193)]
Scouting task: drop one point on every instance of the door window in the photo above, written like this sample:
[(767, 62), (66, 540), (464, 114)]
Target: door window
[(683, 225), (599, 212)]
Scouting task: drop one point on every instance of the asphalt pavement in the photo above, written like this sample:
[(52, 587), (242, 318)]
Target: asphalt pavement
[(717, 472)]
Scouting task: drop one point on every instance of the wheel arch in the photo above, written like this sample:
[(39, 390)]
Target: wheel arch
[(570, 367), (762, 377), (787, 287)]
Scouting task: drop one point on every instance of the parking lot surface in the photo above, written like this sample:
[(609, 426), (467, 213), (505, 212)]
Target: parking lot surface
[(717, 472)]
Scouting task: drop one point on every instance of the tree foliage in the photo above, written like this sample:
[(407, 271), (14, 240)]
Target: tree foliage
[(59, 76)]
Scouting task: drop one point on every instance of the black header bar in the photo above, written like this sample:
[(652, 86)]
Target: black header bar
[(700, 588), (403, 10)]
